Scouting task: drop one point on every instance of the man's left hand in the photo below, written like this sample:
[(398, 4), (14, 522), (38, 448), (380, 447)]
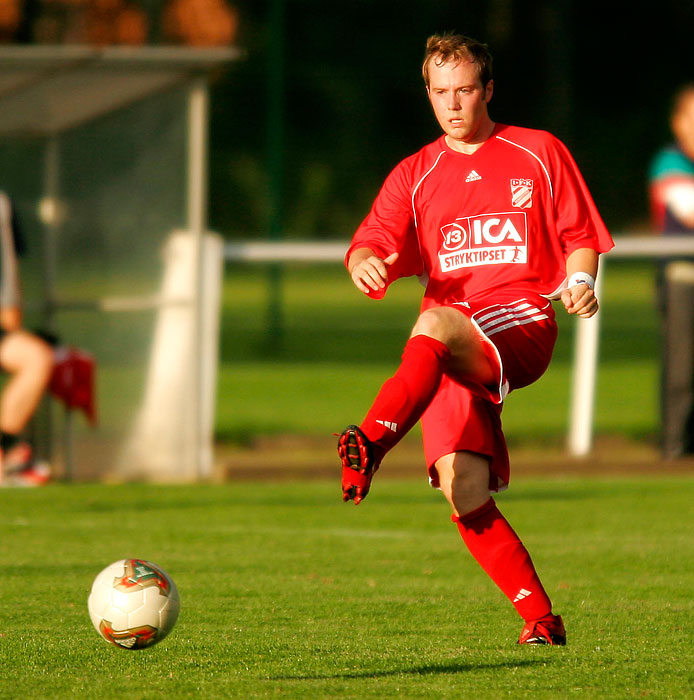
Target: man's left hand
[(580, 300)]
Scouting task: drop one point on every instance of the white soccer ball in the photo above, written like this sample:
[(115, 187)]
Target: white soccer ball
[(133, 603)]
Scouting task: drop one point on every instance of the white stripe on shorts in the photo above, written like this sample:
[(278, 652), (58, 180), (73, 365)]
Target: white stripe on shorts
[(516, 314)]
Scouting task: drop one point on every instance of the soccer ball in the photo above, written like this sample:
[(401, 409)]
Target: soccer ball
[(133, 603)]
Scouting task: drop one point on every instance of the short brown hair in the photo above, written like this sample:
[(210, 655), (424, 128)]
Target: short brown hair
[(443, 48)]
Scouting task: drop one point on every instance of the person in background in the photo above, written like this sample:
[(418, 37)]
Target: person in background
[(26, 359), (671, 190)]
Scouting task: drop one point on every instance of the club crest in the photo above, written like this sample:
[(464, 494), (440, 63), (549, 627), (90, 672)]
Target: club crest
[(521, 193)]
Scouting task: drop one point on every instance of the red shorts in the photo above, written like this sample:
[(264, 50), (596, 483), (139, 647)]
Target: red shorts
[(519, 337)]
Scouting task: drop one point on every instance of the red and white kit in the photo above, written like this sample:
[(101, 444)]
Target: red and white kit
[(489, 233)]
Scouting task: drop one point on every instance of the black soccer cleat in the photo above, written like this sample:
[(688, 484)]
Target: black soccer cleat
[(355, 450)]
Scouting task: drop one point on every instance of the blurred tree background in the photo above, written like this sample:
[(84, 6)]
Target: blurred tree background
[(598, 75), (329, 96)]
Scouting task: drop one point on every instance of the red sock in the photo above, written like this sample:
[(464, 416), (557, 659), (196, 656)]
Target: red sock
[(499, 551), (404, 397)]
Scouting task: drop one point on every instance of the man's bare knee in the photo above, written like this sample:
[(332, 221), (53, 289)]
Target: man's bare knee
[(468, 357), (447, 325), (435, 323)]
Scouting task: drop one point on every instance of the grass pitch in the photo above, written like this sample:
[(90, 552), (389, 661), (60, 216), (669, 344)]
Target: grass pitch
[(287, 592)]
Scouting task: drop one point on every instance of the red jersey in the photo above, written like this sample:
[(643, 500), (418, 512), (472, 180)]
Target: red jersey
[(499, 222)]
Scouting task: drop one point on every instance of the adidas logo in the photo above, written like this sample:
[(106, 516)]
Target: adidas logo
[(472, 176), (389, 425), (523, 593)]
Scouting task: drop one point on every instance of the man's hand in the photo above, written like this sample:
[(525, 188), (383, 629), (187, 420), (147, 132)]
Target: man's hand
[(369, 272), (580, 300)]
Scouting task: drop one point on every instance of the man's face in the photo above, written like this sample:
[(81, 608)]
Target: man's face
[(459, 101)]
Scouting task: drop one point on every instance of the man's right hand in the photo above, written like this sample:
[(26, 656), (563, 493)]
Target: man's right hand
[(369, 272)]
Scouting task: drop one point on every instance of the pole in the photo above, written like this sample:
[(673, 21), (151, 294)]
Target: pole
[(50, 215), (275, 165), (585, 368)]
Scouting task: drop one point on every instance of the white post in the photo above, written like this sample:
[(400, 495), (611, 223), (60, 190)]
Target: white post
[(160, 446), (173, 432), (585, 365)]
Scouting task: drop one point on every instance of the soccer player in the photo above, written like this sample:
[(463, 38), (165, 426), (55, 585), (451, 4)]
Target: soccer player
[(671, 180), (496, 220), (29, 362)]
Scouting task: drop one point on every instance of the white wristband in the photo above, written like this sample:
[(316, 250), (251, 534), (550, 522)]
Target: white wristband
[(581, 278)]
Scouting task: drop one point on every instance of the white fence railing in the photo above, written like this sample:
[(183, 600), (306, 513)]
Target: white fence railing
[(584, 374)]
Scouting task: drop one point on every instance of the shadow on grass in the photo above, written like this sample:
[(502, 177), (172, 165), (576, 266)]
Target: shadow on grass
[(427, 670)]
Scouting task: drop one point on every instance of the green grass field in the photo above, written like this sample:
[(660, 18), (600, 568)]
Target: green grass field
[(287, 592)]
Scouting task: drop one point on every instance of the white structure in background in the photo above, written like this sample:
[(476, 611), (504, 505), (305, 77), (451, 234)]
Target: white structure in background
[(175, 423), (105, 150)]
